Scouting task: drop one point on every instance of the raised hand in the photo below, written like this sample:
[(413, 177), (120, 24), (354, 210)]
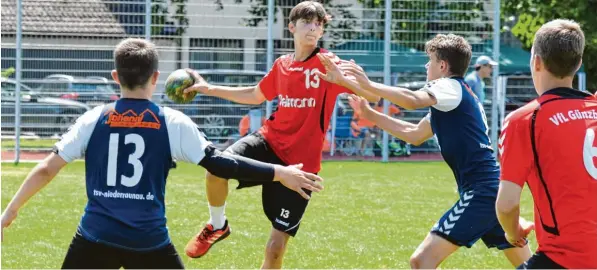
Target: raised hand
[(333, 74), (352, 70), (359, 105)]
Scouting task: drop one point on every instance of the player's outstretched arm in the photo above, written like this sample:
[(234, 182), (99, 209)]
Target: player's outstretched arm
[(334, 75), (38, 178), (408, 132), (70, 147), (353, 77), (231, 166), (507, 208), (245, 95), (189, 144)]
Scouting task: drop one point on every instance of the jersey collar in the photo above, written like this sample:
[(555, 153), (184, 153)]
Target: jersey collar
[(313, 54), (566, 92)]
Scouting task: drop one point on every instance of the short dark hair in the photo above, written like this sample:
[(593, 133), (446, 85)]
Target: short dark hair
[(136, 60), (453, 49), (309, 10), (560, 44)]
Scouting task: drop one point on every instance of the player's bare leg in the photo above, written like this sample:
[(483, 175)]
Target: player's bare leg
[(217, 191), (431, 252), (217, 228), (275, 249), (517, 255)]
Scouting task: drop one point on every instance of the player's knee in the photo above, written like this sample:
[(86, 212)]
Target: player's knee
[(275, 248), (421, 260), (415, 261)]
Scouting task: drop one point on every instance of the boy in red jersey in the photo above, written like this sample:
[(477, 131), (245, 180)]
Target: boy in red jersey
[(293, 134), (550, 145)]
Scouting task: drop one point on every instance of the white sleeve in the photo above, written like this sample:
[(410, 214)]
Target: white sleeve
[(187, 143), (447, 92), (74, 142)]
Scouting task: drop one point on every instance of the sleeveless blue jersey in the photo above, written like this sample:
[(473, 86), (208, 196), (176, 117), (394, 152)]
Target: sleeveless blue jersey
[(459, 122)]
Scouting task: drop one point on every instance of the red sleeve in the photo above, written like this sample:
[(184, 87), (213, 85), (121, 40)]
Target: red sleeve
[(340, 89), (267, 85), (515, 152)]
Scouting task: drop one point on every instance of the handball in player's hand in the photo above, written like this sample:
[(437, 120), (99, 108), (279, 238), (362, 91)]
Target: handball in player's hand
[(176, 84), (200, 86)]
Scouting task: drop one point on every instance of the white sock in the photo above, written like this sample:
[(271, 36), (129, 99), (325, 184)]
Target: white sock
[(217, 216)]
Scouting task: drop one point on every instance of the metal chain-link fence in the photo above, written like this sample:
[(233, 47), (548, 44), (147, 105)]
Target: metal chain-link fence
[(62, 51)]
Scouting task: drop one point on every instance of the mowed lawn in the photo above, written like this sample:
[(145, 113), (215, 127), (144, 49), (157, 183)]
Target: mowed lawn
[(370, 215)]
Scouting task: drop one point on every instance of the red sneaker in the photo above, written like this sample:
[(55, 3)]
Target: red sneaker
[(202, 242)]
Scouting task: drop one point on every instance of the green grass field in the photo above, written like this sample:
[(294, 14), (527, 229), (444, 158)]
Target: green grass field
[(370, 215), (9, 144)]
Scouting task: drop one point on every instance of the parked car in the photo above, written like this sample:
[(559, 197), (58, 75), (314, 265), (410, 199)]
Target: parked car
[(40, 115), (218, 118), (91, 90)]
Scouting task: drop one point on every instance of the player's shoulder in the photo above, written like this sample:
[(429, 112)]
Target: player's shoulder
[(522, 114), (283, 59), (94, 114), (443, 83), (176, 117)]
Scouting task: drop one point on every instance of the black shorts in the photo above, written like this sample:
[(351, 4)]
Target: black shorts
[(540, 261), (282, 206), (85, 254)]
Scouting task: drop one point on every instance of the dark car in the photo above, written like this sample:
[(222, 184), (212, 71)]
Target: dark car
[(218, 118), (92, 90), (40, 115)]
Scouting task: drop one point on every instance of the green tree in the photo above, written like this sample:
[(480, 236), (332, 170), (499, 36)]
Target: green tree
[(165, 24), (531, 14), (7, 72), (341, 28), (416, 21)]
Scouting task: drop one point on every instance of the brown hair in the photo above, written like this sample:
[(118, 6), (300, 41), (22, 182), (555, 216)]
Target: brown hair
[(453, 49), (136, 60), (309, 10), (560, 44)]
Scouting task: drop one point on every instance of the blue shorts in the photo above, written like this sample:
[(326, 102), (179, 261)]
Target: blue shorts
[(472, 218)]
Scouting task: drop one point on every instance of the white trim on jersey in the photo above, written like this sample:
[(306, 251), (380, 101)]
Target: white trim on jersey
[(447, 92), (74, 142), (187, 143)]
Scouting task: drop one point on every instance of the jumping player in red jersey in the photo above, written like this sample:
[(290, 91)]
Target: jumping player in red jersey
[(550, 145), (294, 134)]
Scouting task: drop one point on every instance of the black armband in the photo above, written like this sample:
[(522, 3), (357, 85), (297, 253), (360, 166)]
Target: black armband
[(230, 166)]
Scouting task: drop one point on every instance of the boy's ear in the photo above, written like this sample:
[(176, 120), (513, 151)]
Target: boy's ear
[(115, 76), (154, 77), (291, 27)]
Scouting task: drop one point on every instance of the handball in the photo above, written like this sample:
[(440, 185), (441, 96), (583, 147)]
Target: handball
[(176, 83)]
